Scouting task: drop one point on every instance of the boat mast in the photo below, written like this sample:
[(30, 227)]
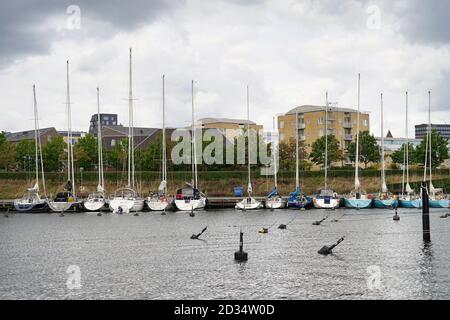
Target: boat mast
[(164, 168), (297, 183), (357, 183), (429, 138), (130, 128), (36, 137), (326, 139), (383, 172), (101, 181), (194, 151), (250, 189), (407, 148), (70, 167), (39, 141), (274, 154)]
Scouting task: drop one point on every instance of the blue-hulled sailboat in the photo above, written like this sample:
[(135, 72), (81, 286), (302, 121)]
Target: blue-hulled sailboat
[(358, 199), (384, 200)]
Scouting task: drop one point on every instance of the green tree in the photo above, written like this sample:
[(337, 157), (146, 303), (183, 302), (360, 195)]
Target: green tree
[(369, 151), (317, 154), (85, 152), (117, 155), (7, 153), (398, 156), (53, 153), (439, 150), (287, 155), (25, 155)]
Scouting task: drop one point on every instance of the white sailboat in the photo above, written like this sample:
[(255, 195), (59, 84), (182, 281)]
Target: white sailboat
[(437, 197), (358, 199), (274, 200), (67, 199), (326, 198), (190, 198), (408, 198), (248, 203), (126, 200), (158, 201), (96, 201), (385, 199), (31, 201)]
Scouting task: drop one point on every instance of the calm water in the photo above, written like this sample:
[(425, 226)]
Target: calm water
[(152, 256)]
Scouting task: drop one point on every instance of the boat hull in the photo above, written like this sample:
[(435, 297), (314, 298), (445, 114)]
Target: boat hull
[(127, 205), (39, 207), (411, 203), (444, 203), (248, 204), (274, 203), (385, 203), (324, 203), (94, 205), (157, 204), (190, 204), (358, 203), (63, 206)]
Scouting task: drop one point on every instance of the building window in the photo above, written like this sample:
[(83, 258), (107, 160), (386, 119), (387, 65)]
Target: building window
[(106, 118), (365, 122), (49, 138), (320, 120), (281, 125), (281, 136), (320, 132), (113, 142)]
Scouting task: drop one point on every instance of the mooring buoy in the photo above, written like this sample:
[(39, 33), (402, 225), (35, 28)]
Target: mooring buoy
[(325, 250), (264, 230), (241, 255), (282, 226), (136, 214), (396, 217)]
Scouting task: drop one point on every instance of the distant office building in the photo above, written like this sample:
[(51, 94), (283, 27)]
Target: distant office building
[(392, 144), (443, 129), (310, 123), (106, 119), (76, 135), (46, 135)]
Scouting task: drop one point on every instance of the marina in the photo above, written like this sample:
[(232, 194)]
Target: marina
[(152, 256)]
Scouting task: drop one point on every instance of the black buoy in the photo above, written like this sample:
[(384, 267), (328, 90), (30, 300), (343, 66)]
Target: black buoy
[(61, 214), (136, 214), (196, 236), (164, 212), (317, 223), (241, 255), (444, 215), (282, 226), (192, 214), (119, 210), (396, 216), (6, 214), (325, 250)]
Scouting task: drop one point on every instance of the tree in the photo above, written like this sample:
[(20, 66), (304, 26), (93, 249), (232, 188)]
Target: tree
[(117, 155), (369, 151), (25, 154), (7, 152), (86, 152), (398, 156), (317, 154), (53, 152), (439, 150), (287, 154)]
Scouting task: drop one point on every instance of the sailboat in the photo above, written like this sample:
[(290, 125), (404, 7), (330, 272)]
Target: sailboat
[(67, 199), (297, 200), (385, 199), (326, 198), (126, 200), (408, 198), (190, 198), (158, 201), (358, 199), (31, 201), (274, 200), (97, 200), (248, 203), (437, 197)]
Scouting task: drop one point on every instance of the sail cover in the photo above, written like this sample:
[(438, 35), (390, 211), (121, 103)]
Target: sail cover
[(408, 189), (249, 188), (100, 189), (384, 188), (272, 193), (162, 186)]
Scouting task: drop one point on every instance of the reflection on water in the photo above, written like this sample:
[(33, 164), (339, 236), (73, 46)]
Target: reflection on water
[(151, 256)]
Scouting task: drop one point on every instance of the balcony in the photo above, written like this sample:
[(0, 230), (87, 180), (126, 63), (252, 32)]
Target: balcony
[(348, 137), (348, 125), (301, 138)]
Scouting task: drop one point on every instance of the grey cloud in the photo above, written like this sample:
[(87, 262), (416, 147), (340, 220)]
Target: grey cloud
[(21, 21)]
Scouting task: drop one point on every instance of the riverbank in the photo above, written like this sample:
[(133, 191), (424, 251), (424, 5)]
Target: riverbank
[(221, 184)]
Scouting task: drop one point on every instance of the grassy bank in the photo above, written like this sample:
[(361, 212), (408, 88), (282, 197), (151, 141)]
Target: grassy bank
[(221, 183)]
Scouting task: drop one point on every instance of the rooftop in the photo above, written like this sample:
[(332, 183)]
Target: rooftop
[(121, 130), (225, 120), (26, 135), (311, 108)]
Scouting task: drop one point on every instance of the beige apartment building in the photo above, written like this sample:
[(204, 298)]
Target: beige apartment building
[(311, 124), (229, 127)]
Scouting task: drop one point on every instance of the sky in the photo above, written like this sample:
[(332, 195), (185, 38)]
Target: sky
[(288, 52)]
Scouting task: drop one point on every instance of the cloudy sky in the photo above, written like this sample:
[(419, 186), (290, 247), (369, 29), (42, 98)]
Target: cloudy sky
[(289, 52)]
